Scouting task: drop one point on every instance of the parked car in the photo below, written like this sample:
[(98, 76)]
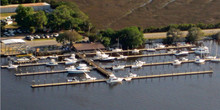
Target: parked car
[(55, 35), (29, 38), (36, 37)]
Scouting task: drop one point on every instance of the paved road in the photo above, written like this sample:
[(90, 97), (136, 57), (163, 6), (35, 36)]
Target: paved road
[(163, 34)]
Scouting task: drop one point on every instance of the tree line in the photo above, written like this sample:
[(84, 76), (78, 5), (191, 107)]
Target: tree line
[(65, 16), (182, 27)]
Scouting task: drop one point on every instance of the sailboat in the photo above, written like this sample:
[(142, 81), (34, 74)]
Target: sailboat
[(216, 59), (117, 49), (210, 57)]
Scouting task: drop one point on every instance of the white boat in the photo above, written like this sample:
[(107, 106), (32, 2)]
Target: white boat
[(177, 62), (23, 59), (52, 63), (114, 79), (215, 60), (53, 57), (83, 66), (151, 49), (42, 58), (135, 51), (107, 58), (11, 66), (71, 57), (73, 70), (117, 50), (210, 57), (138, 64), (182, 53), (89, 77), (202, 50), (71, 80), (70, 61), (160, 46), (193, 49), (118, 67), (198, 60), (172, 51), (122, 57), (184, 59), (132, 75)]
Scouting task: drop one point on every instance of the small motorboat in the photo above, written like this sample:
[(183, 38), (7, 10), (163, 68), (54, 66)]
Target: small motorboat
[(72, 80), (71, 57), (172, 51), (182, 53), (135, 51), (122, 57), (23, 59), (70, 61), (184, 59), (11, 66), (117, 50), (114, 79), (43, 58), (160, 46), (138, 64), (52, 63), (118, 67), (210, 57), (132, 75), (73, 70), (177, 62), (198, 60), (215, 60), (151, 49), (83, 66), (53, 56), (107, 58), (202, 50)]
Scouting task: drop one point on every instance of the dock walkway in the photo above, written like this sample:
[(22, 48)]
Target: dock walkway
[(138, 77)]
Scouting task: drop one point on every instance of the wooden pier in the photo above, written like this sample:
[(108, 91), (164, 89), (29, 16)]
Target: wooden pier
[(40, 73), (138, 77), (96, 66), (144, 49)]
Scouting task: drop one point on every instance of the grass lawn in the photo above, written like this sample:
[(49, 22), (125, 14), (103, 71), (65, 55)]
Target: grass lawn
[(4, 15)]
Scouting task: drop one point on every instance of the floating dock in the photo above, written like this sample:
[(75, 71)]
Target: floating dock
[(40, 73), (138, 77), (96, 66), (144, 49)]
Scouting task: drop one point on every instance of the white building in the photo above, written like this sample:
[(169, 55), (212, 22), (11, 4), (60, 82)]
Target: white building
[(36, 6)]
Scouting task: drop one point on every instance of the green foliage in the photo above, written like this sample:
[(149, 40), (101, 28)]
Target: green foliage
[(106, 41), (24, 16), (32, 30), (130, 37), (4, 2), (182, 27), (173, 35), (40, 19), (69, 36), (95, 37), (194, 34)]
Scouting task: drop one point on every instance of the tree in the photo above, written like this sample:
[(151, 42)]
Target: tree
[(69, 36), (106, 41), (40, 19), (32, 30), (24, 16), (194, 34), (173, 35), (4, 2), (130, 37)]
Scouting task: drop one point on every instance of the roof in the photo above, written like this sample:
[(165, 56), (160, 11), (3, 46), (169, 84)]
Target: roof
[(88, 46), (25, 5), (12, 41)]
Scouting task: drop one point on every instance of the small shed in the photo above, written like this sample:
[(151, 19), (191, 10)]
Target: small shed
[(88, 46)]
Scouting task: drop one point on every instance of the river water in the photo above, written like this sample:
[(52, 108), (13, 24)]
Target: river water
[(196, 92)]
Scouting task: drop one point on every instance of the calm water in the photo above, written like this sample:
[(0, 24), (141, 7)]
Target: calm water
[(198, 92)]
